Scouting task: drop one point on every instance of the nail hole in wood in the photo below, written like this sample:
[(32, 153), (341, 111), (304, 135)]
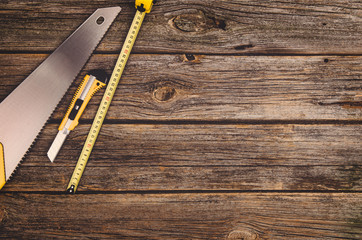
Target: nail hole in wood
[(326, 60), (220, 24), (190, 57)]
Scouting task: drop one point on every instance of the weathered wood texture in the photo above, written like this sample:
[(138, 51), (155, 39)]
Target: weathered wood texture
[(282, 27), (181, 216), (233, 120), (171, 87), (200, 157)]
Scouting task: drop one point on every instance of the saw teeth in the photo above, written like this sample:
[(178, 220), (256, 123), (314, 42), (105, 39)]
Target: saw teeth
[(86, 58)]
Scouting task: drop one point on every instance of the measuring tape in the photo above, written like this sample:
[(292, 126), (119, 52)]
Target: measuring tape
[(143, 7)]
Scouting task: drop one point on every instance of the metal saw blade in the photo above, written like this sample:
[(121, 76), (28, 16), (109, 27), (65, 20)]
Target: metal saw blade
[(25, 111)]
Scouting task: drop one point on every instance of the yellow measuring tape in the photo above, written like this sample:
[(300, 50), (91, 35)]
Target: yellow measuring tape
[(143, 7)]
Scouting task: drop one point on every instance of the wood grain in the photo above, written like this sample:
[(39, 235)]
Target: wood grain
[(130, 157), (181, 216), (216, 88), (227, 27), (233, 120)]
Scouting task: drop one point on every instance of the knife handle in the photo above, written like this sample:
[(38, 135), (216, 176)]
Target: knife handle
[(78, 105)]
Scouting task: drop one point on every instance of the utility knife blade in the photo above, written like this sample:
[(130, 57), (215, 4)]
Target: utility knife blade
[(91, 83)]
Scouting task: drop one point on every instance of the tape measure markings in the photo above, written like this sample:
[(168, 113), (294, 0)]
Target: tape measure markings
[(106, 100)]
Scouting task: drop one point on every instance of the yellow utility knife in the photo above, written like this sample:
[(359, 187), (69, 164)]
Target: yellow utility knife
[(91, 83)]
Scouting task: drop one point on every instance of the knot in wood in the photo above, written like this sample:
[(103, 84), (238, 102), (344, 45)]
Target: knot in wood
[(164, 94), (244, 234), (3, 215), (192, 58), (196, 22)]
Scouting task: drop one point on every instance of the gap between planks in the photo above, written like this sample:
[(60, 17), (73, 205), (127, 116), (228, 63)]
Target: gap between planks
[(180, 192), (251, 54)]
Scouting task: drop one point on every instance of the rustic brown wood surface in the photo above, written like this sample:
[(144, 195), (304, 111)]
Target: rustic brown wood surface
[(201, 157), (233, 120), (268, 27), (182, 216), (170, 87)]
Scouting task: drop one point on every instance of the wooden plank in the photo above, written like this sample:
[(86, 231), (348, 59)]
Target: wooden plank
[(182, 216), (232, 27), (216, 88), (198, 146), (183, 178), (200, 157)]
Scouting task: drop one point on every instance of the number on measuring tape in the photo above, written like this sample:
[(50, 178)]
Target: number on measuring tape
[(107, 98)]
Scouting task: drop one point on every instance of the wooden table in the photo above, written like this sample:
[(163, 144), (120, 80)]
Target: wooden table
[(233, 120)]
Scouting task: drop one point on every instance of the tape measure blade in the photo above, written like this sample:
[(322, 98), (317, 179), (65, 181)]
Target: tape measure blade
[(105, 102)]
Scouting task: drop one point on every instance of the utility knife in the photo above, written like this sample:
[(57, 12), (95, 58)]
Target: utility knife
[(91, 83)]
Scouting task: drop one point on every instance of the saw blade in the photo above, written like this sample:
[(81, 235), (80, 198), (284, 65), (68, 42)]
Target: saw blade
[(26, 110)]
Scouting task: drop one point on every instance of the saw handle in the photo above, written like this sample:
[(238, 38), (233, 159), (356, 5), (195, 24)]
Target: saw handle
[(78, 105)]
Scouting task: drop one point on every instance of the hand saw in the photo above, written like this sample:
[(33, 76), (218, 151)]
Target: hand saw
[(25, 111)]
